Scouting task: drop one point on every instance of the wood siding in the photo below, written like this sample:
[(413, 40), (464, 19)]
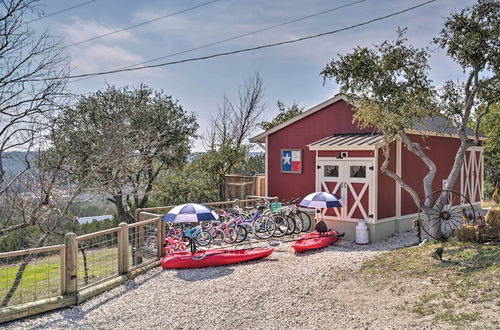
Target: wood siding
[(335, 118)]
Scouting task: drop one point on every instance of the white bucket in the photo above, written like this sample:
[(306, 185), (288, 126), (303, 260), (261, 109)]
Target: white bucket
[(362, 233)]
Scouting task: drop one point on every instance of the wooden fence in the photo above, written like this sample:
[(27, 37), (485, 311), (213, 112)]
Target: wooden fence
[(38, 280), (243, 186)]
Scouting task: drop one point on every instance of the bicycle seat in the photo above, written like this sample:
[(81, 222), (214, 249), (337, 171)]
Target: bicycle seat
[(248, 208)]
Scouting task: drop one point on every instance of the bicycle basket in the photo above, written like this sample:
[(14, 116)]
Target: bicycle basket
[(276, 207)]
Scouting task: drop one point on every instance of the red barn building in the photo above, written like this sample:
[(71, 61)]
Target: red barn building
[(323, 149)]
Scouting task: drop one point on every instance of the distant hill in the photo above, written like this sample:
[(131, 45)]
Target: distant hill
[(14, 162)]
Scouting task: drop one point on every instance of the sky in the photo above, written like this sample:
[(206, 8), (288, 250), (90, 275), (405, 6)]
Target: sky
[(290, 73)]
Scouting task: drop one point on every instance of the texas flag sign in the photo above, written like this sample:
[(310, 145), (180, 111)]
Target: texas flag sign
[(291, 160)]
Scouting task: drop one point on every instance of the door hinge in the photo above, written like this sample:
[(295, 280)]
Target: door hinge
[(370, 168), (318, 166), (370, 216)]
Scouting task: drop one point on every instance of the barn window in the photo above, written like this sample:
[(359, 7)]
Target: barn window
[(358, 171), (331, 171)]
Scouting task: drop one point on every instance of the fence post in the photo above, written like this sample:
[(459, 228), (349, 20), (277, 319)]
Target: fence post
[(137, 215), (123, 246), (71, 255), (160, 237)]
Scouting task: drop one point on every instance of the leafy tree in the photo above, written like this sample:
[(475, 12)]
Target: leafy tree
[(117, 141), (392, 90), (230, 129), (190, 183), (284, 114), (252, 164), (491, 128)]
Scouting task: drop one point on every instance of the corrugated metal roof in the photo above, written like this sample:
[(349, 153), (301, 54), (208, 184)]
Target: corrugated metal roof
[(348, 140), (439, 125)]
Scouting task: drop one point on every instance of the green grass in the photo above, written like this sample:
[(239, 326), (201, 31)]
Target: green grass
[(455, 291), (41, 278)]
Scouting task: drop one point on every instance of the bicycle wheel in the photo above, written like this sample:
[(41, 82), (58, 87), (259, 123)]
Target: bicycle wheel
[(291, 225), (218, 237), (264, 227), (249, 228), (242, 233), (297, 221), (282, 225), (306, 220), (231, 235), (203, 238)]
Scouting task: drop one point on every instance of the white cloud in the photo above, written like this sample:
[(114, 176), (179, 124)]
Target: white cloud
[(79, 30)]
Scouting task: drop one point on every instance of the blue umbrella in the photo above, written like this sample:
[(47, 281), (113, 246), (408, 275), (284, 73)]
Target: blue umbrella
[(320, 200), (190, 213)]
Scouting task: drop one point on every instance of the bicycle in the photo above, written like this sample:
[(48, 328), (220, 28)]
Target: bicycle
[(233, 221), (262, 225)]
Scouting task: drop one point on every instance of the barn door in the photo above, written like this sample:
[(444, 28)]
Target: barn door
[(329, 174), (352, 181), (358, 180)]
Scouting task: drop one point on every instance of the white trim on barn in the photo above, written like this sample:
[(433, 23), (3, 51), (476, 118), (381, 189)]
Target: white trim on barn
[(470, 182), (399, 151), (304, 114)]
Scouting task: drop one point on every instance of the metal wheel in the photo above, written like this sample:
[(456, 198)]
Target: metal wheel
[(441, 221)]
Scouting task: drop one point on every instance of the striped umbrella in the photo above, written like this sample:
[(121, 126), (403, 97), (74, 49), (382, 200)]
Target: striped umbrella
[(320, 200), (190, 213)]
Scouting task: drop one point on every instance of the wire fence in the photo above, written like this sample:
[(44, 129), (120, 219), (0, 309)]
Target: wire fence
[(97, 257), (61, 271), (30, 275), (143, 242)]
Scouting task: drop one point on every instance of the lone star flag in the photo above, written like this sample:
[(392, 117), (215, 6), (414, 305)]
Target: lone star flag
[(291, 161)]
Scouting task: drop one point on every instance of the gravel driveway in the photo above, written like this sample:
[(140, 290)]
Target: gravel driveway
[(315, 290)]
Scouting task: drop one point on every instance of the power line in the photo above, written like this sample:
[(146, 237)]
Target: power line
[(61, 11), (237, 37), (140, 24), (247, 34), (245, 49)]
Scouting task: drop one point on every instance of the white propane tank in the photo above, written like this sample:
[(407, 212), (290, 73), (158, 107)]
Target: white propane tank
[(362, 233)]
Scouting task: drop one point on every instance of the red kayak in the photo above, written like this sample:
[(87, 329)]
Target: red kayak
[(211, 258), (315, 240)]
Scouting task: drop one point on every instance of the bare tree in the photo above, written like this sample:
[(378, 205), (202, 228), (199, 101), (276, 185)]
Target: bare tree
[(26, 58), (40, 198), (231, 127)]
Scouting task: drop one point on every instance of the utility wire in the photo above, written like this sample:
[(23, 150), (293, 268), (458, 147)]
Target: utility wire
[(244, 49), (237, 37), (247, 34), (140, 24), (61, 11)]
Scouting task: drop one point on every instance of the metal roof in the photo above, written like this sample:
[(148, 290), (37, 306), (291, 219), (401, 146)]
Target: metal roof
[(351, 141), (439, 125)]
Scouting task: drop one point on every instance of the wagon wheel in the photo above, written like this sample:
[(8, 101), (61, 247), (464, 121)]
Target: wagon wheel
[(441, 223)]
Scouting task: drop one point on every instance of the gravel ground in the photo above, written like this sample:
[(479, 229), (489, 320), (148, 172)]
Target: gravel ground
[(315, 290)]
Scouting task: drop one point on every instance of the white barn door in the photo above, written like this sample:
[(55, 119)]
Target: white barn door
[(352, 181)]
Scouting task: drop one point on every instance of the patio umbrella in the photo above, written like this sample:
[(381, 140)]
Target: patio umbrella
[(190, 213), (320, 200)]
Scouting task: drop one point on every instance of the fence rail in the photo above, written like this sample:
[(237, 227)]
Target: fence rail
[(37, 280)]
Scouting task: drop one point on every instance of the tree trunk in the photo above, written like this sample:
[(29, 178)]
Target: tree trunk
[(85, 266), (126, 216), (19, 274)]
